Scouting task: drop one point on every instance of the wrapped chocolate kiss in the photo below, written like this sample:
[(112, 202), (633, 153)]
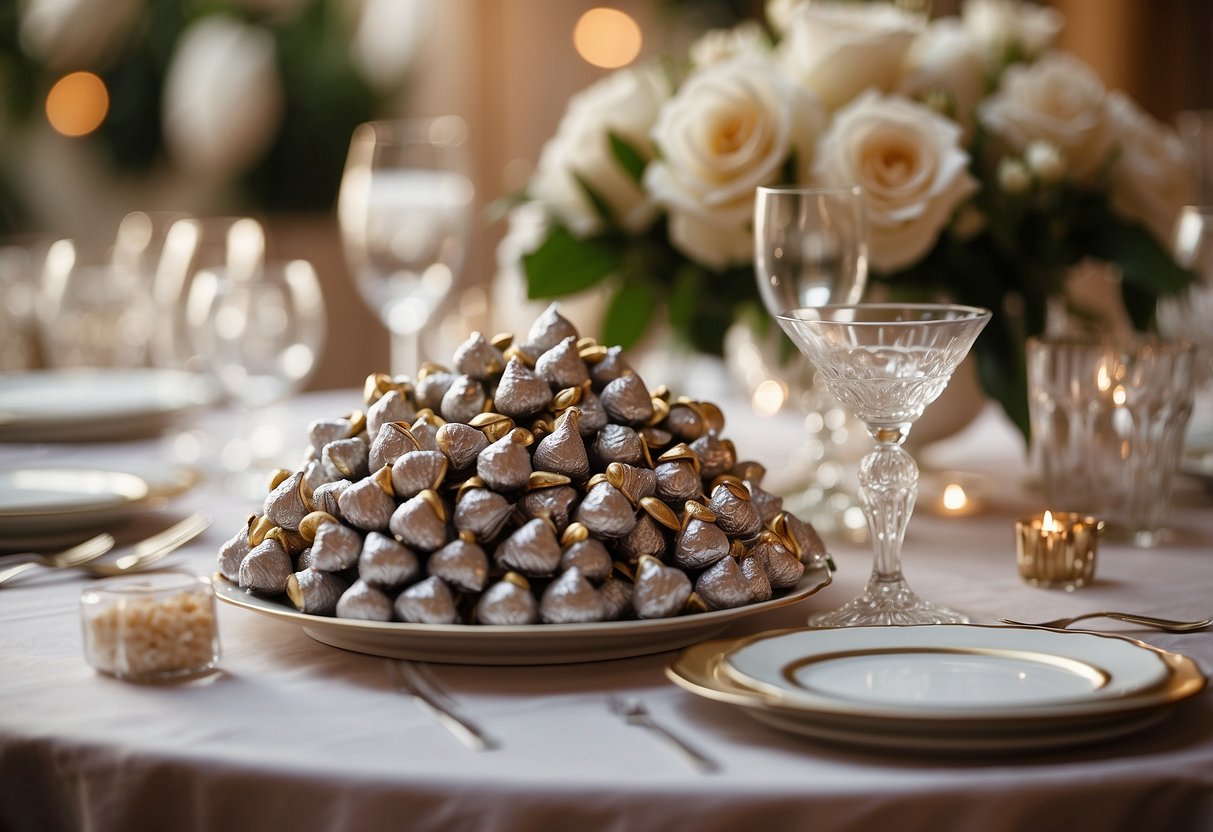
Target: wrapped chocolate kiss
[(393, 406), (427, 602), (677, 473), (425, 430), (479, 511), (660, 591), (492, 425), (593, 415), (287, 504), (561, 366), (548, 495), (783, 568), (323, 431), (314, 475), (723, 586), (509, 601), (335, 546), (266, 567), (756, 578), (478, 359), (393, 441), (417, 471), (612, 366), (716, 456), (701, 542), (378, 385), (346, 459), (315, 592), (735, 514), (635, 483), (548, 330), (520, 392), (461, 563), (364, 602), (617, 443), (617, 595), (570, 599), (531, 549), (605, 511), (627, 400), (463, 400), (327, 496), (386, 563), (461, 444), (685, 421), (232, 552), (801, 538), (767, 505), (368, 504), (505, 465), (420, 522), (562, 451)]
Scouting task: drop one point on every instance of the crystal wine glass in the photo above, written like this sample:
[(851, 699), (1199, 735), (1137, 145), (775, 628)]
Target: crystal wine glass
[(1189, 314), (405, 211), (811, 249), (262, 332), (886, 363)]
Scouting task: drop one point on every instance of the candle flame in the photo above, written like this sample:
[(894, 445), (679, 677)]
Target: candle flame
[(954, 497), (1048, 524)]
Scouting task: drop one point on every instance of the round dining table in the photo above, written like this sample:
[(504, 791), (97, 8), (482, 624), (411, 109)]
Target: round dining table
[(290, 733)]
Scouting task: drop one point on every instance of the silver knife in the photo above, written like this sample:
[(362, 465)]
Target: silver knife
[(406, 679)]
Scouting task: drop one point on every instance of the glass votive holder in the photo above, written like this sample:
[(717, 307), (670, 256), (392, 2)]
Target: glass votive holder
[(151, 627), (1057, 550), (1108, 420)]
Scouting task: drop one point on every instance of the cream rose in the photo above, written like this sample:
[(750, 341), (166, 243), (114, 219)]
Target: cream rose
[(946, 59), (1058, 99), (625, 102), (719, 45), (729, 129), (837, 51), (1004, 27), (1151, 180), (909, 161)]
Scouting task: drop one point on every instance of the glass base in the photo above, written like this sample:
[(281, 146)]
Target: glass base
[(887, 602)]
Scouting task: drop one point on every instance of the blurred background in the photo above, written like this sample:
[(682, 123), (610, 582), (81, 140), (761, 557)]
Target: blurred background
[(246, 107)]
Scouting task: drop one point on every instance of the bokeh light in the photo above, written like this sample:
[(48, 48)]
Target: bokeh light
[(607, 38), (77, 104)]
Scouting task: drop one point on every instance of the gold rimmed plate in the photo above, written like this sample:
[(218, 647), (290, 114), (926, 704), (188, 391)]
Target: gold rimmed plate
[(515, 645), (700, 669)]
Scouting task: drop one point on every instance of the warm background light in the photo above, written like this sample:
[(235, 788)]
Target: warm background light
[(77, 104), (607, 38)]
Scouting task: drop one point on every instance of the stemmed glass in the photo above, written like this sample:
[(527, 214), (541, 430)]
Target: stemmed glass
[(811, 249), (405, 211), (886, 363), (262, 332), (1189, 314)]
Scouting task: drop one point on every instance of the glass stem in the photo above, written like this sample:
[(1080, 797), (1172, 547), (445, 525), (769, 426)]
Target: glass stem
[(888, 486), (405, 357)]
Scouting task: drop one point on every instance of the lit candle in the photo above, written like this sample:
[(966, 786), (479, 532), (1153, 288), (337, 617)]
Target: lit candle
[(1058, 549)]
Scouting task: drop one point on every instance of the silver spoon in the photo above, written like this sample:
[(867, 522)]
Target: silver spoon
[(1165, 624)]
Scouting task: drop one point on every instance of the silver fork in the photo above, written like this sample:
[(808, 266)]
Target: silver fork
[(635, 713), (1165, 624), (410, 679), (145, 553), (81, 553)]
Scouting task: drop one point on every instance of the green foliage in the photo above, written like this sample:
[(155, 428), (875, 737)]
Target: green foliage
[(564, 264)]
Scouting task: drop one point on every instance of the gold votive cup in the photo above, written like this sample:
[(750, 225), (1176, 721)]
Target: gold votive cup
[(1057, 549)]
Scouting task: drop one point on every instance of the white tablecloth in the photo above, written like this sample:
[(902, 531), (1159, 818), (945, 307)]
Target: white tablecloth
[(293, 734)]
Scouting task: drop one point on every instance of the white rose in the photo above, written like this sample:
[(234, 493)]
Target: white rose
[(719, 45), (1151, 180), (729, 129), (625, 102), (945, 58), (1058, 99), (838, 51), (1006, 26), (909, 161), (222, 97)]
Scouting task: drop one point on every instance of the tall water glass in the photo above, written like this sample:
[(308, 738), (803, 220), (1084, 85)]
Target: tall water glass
[(21, 261), (405, 211), (811, 249)]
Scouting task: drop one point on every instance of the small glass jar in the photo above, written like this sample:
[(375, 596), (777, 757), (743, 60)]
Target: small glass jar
[(151, 627)]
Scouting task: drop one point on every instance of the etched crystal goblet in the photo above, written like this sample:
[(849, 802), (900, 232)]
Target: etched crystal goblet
[(886, 363)]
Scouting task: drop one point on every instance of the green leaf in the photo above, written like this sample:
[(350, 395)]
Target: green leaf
[(688, 286), (601, 207), (628, 313), (628, 157), (1143, 261), (564, 264)]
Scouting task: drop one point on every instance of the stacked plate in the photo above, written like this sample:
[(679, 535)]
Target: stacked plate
[(944, 688)]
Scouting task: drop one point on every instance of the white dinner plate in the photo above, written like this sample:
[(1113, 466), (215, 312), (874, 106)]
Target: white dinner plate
[(701, 669), (97, 404), (515, 645), (917, 672), (55, 501)]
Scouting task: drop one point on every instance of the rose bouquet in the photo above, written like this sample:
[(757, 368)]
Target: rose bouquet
[(991, 163)]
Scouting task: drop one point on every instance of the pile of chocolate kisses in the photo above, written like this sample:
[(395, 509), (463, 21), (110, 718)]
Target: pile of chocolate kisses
[(534, 481)]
